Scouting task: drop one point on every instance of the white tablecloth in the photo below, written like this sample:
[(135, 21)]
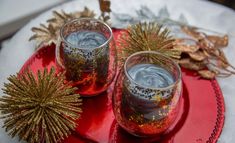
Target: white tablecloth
[(198, 13)]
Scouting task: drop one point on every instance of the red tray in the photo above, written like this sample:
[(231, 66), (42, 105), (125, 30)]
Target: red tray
[(200, 120)]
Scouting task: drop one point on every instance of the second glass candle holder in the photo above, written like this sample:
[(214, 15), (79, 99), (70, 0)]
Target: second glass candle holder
[(147, 94)]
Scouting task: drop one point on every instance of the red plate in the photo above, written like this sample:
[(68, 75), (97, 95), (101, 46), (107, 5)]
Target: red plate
[(200, 120)]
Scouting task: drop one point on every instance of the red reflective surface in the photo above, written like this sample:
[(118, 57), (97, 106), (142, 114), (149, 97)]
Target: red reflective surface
[(200, 120)]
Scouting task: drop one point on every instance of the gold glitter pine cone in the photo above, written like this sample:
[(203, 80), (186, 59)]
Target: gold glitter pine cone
[(39, 109)]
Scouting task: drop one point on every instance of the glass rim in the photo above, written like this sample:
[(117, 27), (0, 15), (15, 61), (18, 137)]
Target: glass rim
[(82, 19), (163, 56)]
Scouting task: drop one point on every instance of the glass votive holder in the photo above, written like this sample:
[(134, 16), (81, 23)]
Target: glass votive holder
[(86, 51), (147, 94)]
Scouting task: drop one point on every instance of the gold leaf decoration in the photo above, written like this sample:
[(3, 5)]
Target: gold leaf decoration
[(46, 34), (200, 52), (39, 109), (197, 56), (186, 48), (105, 10), (105, 5), (218, 41), (205, 54), (191, 64), (146, 37), (60, 18), (192, 31), (50, 33), (207, 74)]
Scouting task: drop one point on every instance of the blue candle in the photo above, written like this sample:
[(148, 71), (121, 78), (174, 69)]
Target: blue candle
[(150, 75), (86, 39), (84, 44)]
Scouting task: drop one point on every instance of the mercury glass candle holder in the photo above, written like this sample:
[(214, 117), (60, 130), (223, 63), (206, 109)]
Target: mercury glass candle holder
[(147, 94), (87, 53)]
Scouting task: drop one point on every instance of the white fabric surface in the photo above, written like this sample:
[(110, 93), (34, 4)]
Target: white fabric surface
[(198, 13)]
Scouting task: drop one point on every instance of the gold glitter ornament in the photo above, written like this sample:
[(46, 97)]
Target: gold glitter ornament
[(146, 37), (39, 109)]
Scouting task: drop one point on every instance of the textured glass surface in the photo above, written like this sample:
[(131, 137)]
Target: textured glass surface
[(86, 52), (147, 94)]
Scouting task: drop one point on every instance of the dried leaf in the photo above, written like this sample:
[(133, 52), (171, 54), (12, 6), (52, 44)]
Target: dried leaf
[(85, 13), (207, 74), (186, 48), (192, 65), (105, 10), (218, 41), (192, 31), (208, 54), (198, 56), (41, 30), (59, 17), (205, 44), (222, 62), (222, 56), (62, 17), (105, 5), (48, 34), (214, 54)]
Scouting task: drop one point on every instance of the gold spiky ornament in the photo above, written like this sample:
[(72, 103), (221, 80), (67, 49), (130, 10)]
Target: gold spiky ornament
[(39, 109), (146, 37)]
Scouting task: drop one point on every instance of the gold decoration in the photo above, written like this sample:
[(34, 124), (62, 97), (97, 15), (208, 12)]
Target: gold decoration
[(201, 52), (105, 5), (186, 48), (39, 109), (105, 10), (50, 33), (191, 64), (61, 18), (197, 56), (44, 34), (207, 74), (146, 37)]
